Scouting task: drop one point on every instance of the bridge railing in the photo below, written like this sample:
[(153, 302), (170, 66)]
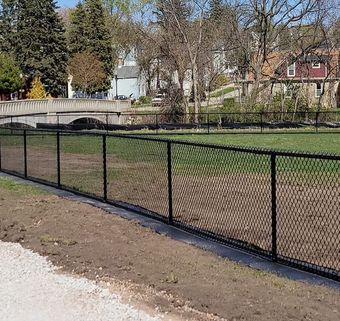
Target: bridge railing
[(26, 107)]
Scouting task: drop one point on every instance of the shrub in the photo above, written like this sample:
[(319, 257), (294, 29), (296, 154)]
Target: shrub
[(220, 81), (37, 91), (145, 100)]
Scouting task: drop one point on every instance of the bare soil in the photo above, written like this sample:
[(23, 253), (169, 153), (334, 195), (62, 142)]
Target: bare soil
[(175, 277)]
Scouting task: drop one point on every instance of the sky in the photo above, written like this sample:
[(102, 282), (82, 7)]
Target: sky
[(67, 3)]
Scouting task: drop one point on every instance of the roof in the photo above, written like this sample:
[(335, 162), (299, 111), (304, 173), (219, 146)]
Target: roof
[(127, 72)]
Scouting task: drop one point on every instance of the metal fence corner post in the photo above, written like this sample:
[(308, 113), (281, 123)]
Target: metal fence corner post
[(104, 169), (25, 153), (274, 206), (169, 153)]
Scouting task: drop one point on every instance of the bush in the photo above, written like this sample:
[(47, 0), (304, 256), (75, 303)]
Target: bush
[(145, 100), (10, 75), (37, 91), (231, 106), (220, 81)]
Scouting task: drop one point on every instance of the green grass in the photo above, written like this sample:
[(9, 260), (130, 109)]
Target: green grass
[(195, 160), (20, 188), (222, 92), (319, 143)]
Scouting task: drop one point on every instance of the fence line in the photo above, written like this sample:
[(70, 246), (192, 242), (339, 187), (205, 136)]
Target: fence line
[(214, 122), (283, 206)]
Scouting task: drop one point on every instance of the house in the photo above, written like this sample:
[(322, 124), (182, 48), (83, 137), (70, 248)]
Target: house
[(128, 81), (314, 76)]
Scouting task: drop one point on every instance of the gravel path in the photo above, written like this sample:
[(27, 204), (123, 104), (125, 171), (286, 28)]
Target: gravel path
[(31, 290)]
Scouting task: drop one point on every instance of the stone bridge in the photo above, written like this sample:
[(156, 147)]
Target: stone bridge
[(63, 111)]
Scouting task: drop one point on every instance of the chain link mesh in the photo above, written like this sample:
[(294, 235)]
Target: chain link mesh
[(81, 163), (12, 151), (283, 206), (137, 173), (42, 156)]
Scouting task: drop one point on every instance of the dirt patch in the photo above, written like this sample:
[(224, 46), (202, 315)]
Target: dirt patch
[(173, 276)]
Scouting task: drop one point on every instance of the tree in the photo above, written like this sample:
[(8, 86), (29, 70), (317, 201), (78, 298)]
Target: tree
[(7, 23), (39, 43), (77, 31), (263, 28), (87, 72), (10, 75), (37, 91), (89, 32), (184, 21)]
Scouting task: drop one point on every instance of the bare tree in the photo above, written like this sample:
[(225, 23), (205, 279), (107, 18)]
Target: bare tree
[(87, 72), (265, 27), (184, 20)]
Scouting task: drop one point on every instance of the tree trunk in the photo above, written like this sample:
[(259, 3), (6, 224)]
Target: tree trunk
[(195, 89)]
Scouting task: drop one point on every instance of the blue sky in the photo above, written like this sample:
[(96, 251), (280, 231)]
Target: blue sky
[(67, 3)]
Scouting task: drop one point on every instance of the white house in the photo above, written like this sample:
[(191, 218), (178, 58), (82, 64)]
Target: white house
[(127, 81)]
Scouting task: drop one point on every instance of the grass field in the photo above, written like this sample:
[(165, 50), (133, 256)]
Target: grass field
[(222, 92), (320, 143), (130, 159)]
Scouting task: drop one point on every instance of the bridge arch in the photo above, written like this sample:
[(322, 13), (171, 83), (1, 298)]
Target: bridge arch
[(18, 122), (88, 120)]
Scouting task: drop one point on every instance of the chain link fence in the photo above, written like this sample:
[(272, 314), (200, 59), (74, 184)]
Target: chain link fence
[(208, 123), (283, 206)]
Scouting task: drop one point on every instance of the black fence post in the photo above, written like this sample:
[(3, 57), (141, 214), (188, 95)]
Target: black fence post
[(169, 152), (104, 169), (157, 123), (274, 206), (25, 153), (0, 154), (107, 123), (58, 160), (317, 122), (261, 122), (208, 124)]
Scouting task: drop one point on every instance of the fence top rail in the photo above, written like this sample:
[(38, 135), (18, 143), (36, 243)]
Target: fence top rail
[(240, 149)]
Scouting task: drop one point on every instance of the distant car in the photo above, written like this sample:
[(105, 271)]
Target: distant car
[(158, 100), (122, 97)]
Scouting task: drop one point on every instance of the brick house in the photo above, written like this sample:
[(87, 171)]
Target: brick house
[(314, 77)]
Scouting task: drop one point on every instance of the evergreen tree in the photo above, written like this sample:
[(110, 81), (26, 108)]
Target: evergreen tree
[(10, 75), (8, 18), (40, 44), (76, 33), (89, 32)]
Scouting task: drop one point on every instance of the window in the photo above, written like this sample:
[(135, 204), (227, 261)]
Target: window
[(316, 65), (318, 89), (291, 70)]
